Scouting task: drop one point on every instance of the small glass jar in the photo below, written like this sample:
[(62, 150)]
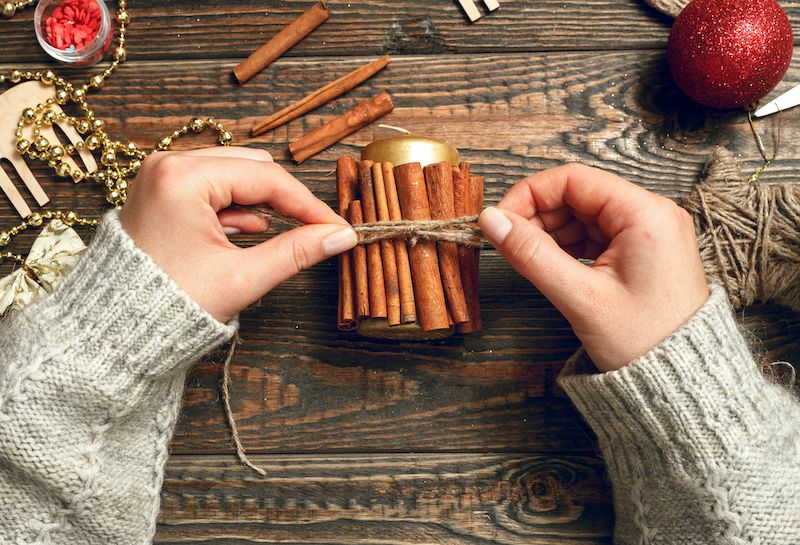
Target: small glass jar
[(88, 54)]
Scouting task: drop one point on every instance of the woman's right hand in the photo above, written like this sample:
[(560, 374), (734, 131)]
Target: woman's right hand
[(647, 278)]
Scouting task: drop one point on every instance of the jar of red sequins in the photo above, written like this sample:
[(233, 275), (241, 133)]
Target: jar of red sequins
[(74, 32)]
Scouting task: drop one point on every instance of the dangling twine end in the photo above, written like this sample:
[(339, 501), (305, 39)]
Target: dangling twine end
[(760, 144), (226, 400)]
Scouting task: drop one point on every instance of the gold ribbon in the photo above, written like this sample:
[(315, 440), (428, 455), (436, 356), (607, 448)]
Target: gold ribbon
[(53, 254)]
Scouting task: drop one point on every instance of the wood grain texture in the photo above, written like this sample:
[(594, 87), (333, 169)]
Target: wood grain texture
[(185, 29), (401, 499)]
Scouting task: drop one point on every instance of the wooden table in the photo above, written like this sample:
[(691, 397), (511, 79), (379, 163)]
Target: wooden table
[(467, 440)]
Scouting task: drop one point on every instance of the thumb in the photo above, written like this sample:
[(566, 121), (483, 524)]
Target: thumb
[(538, 257), (276, 260)]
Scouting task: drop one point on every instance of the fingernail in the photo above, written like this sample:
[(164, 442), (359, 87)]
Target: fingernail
[(494, 224), (231, 230), (339, 241)]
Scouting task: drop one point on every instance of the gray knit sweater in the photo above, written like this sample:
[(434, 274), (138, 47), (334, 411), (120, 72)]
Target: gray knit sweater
[(700, 448)]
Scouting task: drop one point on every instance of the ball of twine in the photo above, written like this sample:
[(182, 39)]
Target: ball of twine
[(668, 7), (748, 234)]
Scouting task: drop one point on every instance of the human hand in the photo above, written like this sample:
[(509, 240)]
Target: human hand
[(647, 278), (178, 213)]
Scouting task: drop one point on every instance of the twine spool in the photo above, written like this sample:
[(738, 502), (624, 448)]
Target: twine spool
[(748, 234)]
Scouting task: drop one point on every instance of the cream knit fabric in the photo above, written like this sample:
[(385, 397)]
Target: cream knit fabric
[(91, 383), (700, 448)]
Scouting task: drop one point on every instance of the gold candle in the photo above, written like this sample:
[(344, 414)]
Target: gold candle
[(400, 150)]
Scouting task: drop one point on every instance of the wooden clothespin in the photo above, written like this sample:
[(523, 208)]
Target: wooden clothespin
[(471, 9)]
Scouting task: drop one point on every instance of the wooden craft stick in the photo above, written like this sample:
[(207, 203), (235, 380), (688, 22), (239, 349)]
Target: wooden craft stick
[(408, 310), (377, 289), (492, 5), (341, 127), (360, 274), (390, 278), (468, 191), (282, 42), (428, 290), (346, 185), (470, 9), (321, 96), (439, 181)]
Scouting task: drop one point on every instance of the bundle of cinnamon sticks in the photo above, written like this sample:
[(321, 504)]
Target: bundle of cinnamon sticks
[(431, 284)]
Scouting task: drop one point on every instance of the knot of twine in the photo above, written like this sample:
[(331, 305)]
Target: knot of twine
[(747, 233), (463, 231)]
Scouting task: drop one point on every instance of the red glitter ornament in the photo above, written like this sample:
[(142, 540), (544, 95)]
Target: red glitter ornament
[(73, 24), (729, 53)]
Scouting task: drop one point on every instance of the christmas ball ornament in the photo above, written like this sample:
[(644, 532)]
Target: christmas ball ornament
[(729, 53)]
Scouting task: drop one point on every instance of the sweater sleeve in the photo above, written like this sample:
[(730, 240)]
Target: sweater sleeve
[(91, 383), (700, 447)]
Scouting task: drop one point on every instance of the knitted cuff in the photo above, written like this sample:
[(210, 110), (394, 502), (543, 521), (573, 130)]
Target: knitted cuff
[(119, 312), (685, 405)]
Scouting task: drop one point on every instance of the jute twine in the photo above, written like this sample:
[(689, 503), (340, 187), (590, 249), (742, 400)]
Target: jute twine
[(748, 234), (668, 7)]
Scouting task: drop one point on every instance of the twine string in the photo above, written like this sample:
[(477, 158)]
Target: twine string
[(463, 230)]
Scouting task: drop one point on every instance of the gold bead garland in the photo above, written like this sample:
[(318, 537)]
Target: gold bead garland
[(119, 162)]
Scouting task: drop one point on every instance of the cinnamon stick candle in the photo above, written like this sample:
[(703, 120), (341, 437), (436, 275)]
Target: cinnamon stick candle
[(346, 185), (360, 272), (441, 197), (341, 127), (377, 289), (388, 257), (408, 310), (468, 191), (282, 42), (321, 96), (428, 289)]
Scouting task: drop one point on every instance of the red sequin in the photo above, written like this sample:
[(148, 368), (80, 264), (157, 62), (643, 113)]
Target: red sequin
[(729, 53), (73, 24)]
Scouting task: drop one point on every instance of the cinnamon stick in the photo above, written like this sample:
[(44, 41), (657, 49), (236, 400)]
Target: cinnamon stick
[(408, 310), (341, 127), (282, 42), (321, 96), (390, 278), (439, 180), (346, 185), (428, 290), (377, 289), (360, 274), (469, 201)]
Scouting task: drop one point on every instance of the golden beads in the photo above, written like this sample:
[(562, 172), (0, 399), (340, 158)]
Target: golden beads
[(63, 170), (123, 17), (96, 81), (9, 9), (225, 138), (62, 96), (23, 145), (15, 76), (56, 152), (197, 125), (28, 115), (92, 142), (34, 219), (120, 54), (5, 238), (47, 77), (164, 144)]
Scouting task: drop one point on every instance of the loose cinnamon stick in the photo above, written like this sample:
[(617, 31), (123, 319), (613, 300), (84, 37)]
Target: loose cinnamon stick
[(341, 127), (377, 289), (408, 310), (388, 257), (282, 42), (360, 273), (346, 185), (469, 201), (439, 181), (428, 290), (321, 96)]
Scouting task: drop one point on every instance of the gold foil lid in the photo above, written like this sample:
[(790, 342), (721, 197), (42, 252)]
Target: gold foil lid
[(400, 150)]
